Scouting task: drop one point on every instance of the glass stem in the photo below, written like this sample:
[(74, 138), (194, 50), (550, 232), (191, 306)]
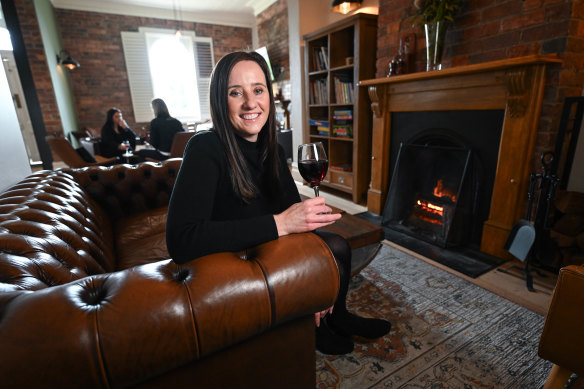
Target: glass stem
[(316, 191)]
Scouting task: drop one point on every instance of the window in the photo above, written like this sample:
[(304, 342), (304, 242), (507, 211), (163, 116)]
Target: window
[(175, 69), (5, 43)]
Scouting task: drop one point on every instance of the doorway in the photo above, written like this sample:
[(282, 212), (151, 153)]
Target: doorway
[(20, 107)]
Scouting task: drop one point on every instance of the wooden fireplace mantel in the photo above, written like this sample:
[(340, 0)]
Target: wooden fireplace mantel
[(515, 85)]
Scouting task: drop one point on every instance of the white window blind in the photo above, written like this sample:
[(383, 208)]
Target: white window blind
[(140, 73)]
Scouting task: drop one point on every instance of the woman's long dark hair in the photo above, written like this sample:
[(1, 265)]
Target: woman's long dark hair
[(267, 138), (160, 109), (109, 118)]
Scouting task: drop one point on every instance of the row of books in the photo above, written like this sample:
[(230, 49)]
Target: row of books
[(322, 126), (343, 90), (343, 123), (341, 128), (320, 58), (318, 91), (343, 114)]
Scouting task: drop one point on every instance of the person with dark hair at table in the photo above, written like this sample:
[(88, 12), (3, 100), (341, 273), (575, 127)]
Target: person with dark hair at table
[(116, 135), (163, 128), (234, 191)]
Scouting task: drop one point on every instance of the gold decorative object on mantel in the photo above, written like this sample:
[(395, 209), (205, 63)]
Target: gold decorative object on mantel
[(514, 85)]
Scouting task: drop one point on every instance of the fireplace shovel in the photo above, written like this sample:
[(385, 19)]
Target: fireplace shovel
[(522, 234)]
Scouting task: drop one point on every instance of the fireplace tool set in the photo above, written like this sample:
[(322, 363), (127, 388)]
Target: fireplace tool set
[(529, 240)]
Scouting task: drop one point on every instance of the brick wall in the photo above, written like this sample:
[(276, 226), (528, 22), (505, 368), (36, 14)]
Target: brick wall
[(94, 39), (31, 35), (272, 26), (486, 31)]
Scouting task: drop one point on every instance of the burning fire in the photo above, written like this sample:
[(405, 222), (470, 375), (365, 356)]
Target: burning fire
[(432, 212), (440, 191)]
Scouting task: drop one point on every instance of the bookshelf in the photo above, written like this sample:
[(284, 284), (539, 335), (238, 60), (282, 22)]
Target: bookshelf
[(336, 58)]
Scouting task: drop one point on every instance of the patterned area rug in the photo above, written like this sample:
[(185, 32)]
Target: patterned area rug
[(446, 333)]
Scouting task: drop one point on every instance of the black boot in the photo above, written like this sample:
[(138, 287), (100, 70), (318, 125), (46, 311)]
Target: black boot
[(327, 342), (347, 324)]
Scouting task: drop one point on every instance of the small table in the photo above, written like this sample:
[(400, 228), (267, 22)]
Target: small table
[(128, 156), (363, 237)]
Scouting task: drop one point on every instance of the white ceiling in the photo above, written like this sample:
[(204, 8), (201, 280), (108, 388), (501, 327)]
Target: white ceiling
[(240, 13)]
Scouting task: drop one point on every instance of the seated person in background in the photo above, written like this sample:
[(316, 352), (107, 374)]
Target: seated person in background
[(162, 130), (234, 191), (114, 133)]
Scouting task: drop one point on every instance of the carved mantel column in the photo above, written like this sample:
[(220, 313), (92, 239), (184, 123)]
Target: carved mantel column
[(514, 85), (379, 148)]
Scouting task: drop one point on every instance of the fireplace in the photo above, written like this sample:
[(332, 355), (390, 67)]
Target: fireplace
[(444, 174), (511, 88)]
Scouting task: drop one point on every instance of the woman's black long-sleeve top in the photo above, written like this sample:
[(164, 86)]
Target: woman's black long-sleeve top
[(204, 214), (110, 140), (162, 131)]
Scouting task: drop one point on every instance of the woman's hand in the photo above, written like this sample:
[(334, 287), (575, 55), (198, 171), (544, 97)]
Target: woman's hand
[(305, 216), (318, 316)]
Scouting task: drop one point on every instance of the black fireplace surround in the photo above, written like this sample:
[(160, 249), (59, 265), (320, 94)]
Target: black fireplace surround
[(463, 144), (448, 138)]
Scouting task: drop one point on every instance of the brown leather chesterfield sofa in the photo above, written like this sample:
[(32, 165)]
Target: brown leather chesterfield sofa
[(89, 298), (561, 340)]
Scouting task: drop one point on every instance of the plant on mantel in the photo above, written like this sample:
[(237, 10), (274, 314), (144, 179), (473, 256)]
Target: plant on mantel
[(434, 15), (428, 11)]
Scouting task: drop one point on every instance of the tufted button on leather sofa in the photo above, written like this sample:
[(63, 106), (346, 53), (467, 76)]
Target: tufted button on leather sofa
[(90, 299)]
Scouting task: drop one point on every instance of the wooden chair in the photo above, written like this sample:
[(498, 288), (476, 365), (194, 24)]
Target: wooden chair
[(561, 340), (179, 143), (67, 153)]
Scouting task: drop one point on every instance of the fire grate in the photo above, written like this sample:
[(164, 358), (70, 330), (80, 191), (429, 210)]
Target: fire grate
[(426, 197)]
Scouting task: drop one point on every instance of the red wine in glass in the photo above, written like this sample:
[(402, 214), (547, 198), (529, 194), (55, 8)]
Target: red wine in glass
[(312, 164)]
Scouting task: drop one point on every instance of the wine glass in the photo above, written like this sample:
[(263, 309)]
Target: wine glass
[(312, 164), (128, 148)]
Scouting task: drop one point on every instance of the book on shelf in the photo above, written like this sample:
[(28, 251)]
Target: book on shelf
[(324, 53), (343, 130), (317, 122), (320, 58), (343, 90), (319, 91), (324, 131), (344, 114), (322, 126)]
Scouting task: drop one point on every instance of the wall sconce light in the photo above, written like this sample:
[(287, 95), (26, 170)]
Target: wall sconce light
[(65, 59), (345, 6)]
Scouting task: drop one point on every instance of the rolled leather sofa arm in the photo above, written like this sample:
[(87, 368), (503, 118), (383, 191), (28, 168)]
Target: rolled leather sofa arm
[(561, 340), (118, 329)]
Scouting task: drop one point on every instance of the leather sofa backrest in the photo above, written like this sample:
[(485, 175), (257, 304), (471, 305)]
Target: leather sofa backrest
[(52, 233), (56, 226), (125, 190)]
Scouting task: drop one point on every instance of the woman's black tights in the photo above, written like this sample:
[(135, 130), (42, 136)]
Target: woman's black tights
[(342, 253), (342, 321)]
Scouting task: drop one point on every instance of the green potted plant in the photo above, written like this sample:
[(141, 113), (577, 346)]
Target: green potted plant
[(434, 16)]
